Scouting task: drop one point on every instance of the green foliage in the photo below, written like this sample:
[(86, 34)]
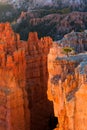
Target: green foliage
[(52, 10), (65, 11), (67, 50)]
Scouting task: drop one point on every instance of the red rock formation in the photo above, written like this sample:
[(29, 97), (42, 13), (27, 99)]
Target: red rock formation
[(67, 88), (23, 81)]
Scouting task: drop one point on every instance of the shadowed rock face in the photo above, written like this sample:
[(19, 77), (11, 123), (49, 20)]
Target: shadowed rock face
[(23, 81)]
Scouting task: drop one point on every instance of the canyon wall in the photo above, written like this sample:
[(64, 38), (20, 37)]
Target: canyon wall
[(67, 87), (23, 81)]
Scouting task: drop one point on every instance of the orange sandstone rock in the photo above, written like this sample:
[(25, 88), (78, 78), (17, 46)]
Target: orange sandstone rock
[(67, 88), (23, 81)]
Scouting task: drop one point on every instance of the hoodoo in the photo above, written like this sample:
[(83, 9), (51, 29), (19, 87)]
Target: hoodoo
[(23, 81)]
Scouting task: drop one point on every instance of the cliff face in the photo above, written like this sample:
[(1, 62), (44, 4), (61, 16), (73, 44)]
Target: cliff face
[(23, 81), (67, 87)]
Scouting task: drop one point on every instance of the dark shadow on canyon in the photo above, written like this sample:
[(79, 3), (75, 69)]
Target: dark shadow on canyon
[(41, 109)]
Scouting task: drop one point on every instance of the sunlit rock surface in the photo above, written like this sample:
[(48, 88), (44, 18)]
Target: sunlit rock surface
[(67, 85)]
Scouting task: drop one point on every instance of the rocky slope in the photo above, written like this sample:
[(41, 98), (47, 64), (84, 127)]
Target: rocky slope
[(81, 4), (76, 40), (10, 9), (54, 25), (27, 3), (73, 3)]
